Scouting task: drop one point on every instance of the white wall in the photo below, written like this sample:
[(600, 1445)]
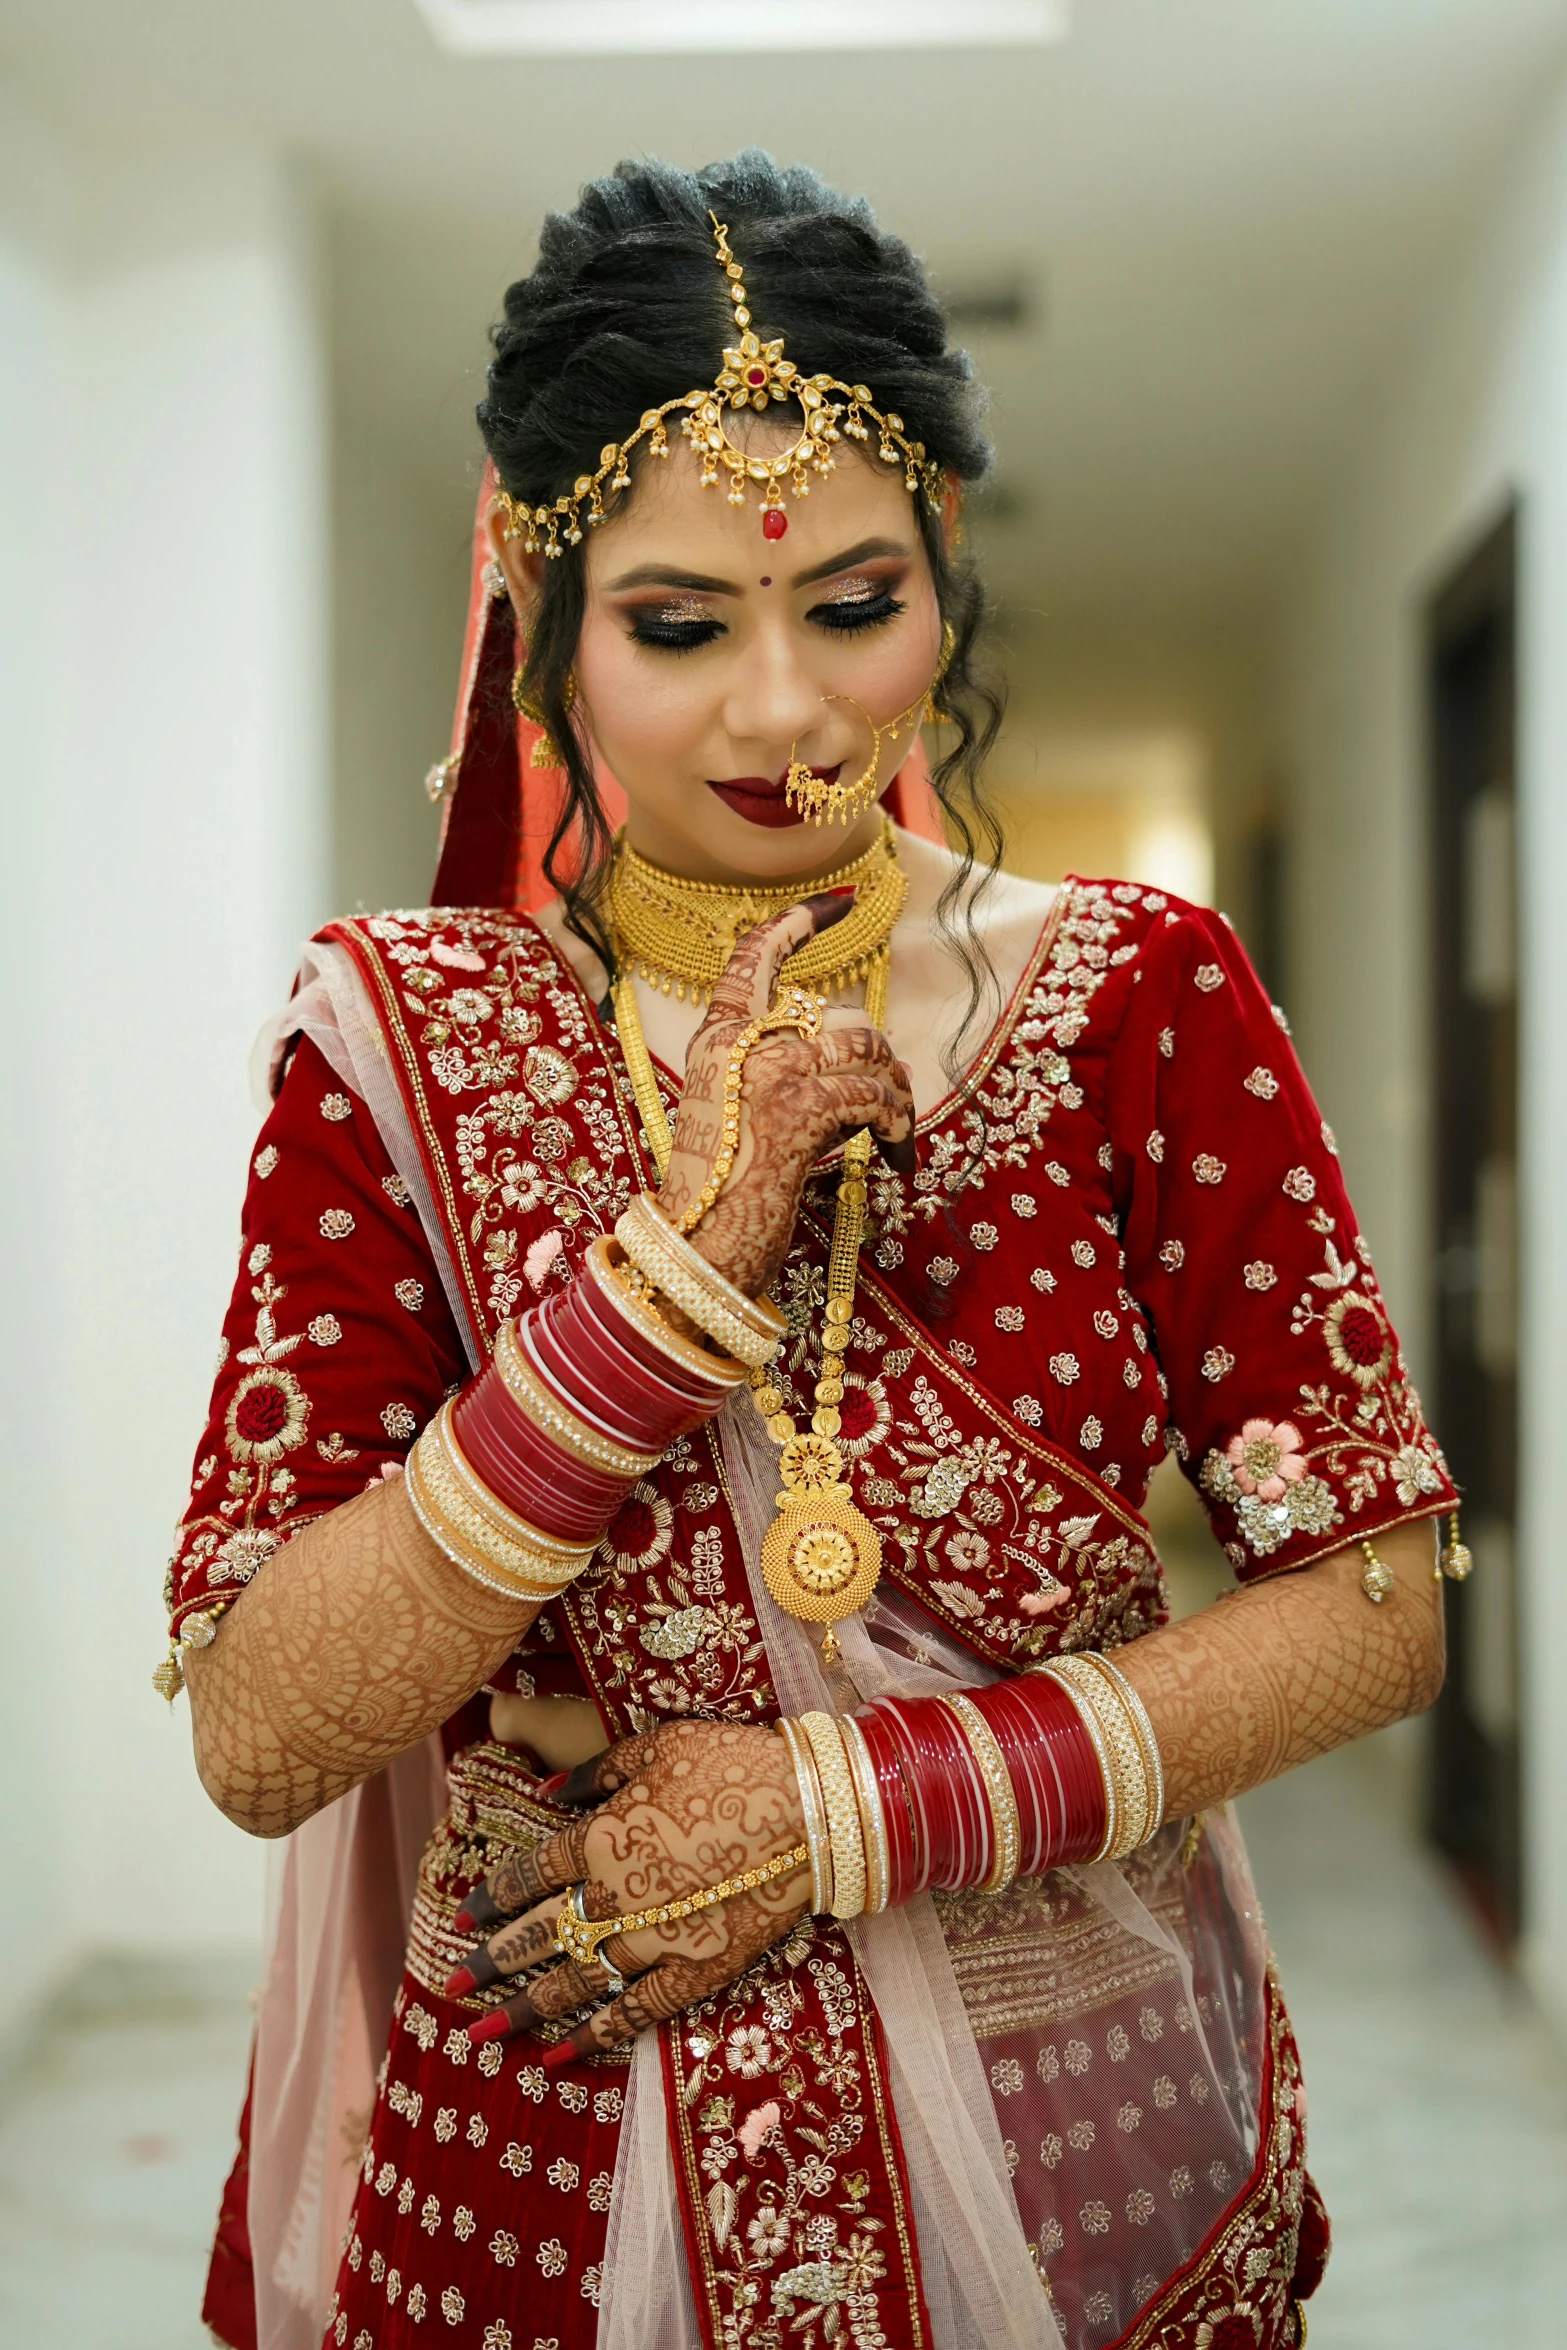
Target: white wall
[(162, 618), (1477, 411)]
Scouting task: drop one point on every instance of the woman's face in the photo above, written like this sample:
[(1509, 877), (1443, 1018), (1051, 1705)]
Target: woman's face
[(708, 652)]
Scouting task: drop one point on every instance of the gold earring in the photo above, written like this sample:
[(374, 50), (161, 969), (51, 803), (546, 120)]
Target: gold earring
[(546, 750), (949, 644), (844, 803)]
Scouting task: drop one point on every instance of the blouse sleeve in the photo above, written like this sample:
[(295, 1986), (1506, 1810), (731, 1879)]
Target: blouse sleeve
[(338, 1344), (1290, 1407)]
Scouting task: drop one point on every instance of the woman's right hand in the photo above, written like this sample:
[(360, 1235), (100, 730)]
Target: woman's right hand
[(800, 1095)]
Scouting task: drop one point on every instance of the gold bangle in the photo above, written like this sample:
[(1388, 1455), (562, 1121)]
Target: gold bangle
[(804, 1759), (534, 1397), (1006, 1833), (1088, 1716), (759, 1314), (507, 1523), (843, 1814), (466, 1542), (750, 1329), (719, 1371), (1120, 1753), (1147, 1739), (534, 1563), (461, 1555), (873, 1819), (1128, 1754)]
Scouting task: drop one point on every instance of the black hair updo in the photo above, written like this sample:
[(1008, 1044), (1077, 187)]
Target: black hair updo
[(623, 310)]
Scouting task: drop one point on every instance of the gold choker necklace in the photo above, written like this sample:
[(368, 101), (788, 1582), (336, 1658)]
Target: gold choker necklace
[(678, 934)]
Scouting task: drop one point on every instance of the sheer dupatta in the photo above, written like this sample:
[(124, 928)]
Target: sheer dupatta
[(1090, 2053)]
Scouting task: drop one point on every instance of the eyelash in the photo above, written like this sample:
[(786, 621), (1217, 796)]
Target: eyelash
[(845, 618)]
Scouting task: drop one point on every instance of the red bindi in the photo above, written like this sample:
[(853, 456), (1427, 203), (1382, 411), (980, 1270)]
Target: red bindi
[(774, 523), (767, 583)]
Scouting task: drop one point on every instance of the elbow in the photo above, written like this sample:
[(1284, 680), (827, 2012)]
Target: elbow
[(264, 1802), (1428, 1686), (1427, 1665), (245, 1800)]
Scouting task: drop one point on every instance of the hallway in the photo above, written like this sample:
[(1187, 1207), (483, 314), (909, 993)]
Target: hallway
[(1438, 2113), (1438, 2121)]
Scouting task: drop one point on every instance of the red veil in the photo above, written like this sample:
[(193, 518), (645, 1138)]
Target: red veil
[(499, 809)]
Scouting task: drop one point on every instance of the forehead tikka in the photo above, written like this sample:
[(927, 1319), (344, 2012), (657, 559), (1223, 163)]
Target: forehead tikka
[(754, 375)]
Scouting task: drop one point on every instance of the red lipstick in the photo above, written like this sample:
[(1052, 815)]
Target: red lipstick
[(760, 799)]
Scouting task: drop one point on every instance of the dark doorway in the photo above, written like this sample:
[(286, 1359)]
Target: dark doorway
[(1472, 730)]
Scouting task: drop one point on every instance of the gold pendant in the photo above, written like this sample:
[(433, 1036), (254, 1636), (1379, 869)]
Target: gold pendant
[(821, 1556)]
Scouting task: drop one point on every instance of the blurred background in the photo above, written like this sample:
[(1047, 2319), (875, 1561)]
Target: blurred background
[(1272, 299)]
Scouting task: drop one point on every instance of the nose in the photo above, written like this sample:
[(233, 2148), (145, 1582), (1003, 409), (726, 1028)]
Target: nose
[(774, 699)]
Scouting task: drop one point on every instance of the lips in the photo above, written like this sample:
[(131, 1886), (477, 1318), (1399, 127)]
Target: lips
[(760, 799)]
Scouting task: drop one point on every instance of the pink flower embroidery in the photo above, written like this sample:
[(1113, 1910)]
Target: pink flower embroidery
[(455, 958), (541, 1256), (1266, 1457), (757, 2127)]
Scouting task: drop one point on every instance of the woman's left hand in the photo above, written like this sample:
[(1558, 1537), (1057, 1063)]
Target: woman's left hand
[(678, 1809)]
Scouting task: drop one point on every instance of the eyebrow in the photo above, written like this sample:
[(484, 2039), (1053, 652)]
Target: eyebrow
[(664, 575), (700, 583), (867, 551)]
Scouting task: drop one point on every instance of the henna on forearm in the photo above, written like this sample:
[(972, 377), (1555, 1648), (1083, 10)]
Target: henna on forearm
[(354, 1641), (1286, 1670)]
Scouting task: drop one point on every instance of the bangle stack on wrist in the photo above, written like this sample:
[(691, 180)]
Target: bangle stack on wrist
[(517, 1479), (973, 1790), (466, 1519)]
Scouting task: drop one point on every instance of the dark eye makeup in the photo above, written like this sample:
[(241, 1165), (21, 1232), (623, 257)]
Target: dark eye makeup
[(676, 628)]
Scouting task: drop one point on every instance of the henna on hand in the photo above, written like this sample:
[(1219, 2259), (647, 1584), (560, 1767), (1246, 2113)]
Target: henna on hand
[(800, 1095), (681, 1809), (1285, 1670)]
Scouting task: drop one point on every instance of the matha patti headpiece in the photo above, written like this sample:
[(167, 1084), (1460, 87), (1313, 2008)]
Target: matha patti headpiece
[(754, 374)]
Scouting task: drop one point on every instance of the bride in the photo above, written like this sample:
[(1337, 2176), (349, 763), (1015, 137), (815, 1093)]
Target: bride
[(666, 1550)]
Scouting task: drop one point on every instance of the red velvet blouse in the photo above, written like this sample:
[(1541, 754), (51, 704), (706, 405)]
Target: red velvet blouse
[(1133, 1234)]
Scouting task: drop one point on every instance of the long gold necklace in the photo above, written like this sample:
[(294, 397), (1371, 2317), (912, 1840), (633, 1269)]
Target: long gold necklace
[(821, 1556)]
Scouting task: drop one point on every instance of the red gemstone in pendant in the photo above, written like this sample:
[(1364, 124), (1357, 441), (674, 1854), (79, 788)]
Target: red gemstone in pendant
[(774, 523), (756, 376)]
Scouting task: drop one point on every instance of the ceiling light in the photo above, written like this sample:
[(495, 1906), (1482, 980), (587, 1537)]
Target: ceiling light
[(580, 28)]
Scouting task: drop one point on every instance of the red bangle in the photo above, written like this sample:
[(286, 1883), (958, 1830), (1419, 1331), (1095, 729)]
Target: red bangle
[(1036, 1780), (532, 1475), (902, 1857), (588, 1346), (566, 1381), (676, 1365), (1054, 1769), (940, 1830), (583, 1357), (952, 1819)]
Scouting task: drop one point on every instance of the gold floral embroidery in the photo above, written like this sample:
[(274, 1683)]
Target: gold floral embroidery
[(1373, 1442), (268, 1417)]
